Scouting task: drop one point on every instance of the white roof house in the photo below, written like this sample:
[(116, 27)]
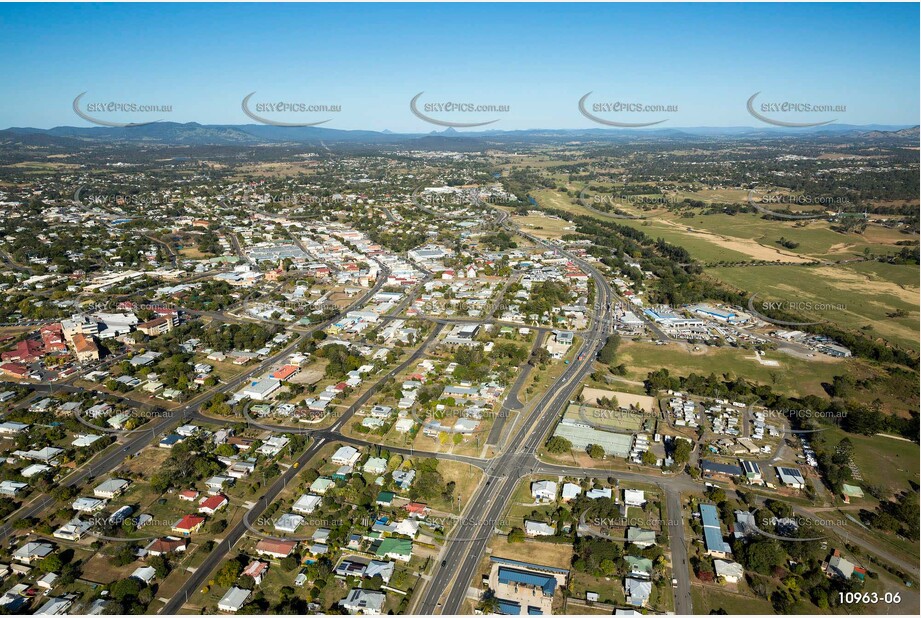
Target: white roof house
[(360, 601), (146, 574), (544, 491), (634, 497), (88, 505), (55, 606), (570, 491), (346, 456), (72, 530), (306, 504), (321, 485), (375, 465), (12, 427), (34, 469), (404, 425), (408, 527), (841, 567), (111, 488), (599, 492), (638, 591), (216, 483), (32, 551), (11, 488), (378, 567), (732, 572), (404, 478), (47, 582), (289, 522), (83, 440), (234, 600), (538, 528)]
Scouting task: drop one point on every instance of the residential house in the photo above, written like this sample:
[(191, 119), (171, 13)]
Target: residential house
[(275, 548), (306, 504), (111, 488), (233, 600), (256, 570), (213, 504), (538, 528), (544, 491), (360, 601), (730, 571), (188, 524)]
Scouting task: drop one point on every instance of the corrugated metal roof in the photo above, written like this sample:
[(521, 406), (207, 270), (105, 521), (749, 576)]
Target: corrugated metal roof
[(547, 583)]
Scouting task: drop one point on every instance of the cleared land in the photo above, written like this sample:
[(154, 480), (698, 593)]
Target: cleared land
[(643, 402), (853, 295), (794, 376)]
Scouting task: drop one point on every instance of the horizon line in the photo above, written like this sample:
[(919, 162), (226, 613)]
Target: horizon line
[(660, 128)]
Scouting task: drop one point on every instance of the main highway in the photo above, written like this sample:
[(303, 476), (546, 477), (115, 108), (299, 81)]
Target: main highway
[(450, 582), (447, 588), (467, 543)]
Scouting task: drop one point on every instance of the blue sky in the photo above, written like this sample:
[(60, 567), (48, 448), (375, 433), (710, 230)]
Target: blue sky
[(538, 59)]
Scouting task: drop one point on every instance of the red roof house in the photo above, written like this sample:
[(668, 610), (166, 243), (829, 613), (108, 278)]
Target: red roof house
[(188, 524), (417, 509), (213, 504), (167, 545), (275, 549), (256, 570)]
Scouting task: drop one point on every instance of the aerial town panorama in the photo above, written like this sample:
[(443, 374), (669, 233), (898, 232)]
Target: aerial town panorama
[(257, 363)]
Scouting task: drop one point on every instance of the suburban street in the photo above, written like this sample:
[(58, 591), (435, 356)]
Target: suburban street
[(449, 584)]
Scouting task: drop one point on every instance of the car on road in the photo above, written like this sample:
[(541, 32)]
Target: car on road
[(674, 582)]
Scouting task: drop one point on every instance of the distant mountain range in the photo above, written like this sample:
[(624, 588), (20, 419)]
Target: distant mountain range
[(193, 133)]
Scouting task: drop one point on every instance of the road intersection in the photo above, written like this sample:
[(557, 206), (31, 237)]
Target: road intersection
[(515, 457)]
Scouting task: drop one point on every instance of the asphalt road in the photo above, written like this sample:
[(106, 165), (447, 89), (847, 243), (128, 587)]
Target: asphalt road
[(320, 437), (464, 549), (197, 579), (112, 458), (679, 550), (512, 401)]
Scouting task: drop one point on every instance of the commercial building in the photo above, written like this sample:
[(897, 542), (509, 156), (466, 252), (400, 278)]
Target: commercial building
[(752, 471), (262, 389), (524, 588), (85, 348)]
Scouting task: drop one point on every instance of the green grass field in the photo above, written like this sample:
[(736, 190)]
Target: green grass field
[(855, 295), (886, 462), (815, 238), (742, 237), (868, 291), (706, 599), (794, 375)]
